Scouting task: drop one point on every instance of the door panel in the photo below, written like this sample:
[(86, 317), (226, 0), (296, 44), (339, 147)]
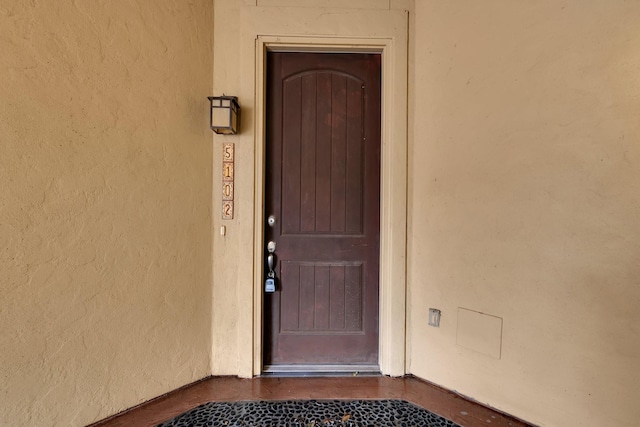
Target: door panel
[(323, 190), (321, 298), (323, 186)]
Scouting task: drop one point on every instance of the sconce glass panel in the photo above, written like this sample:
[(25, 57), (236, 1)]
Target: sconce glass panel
[(225, 113)]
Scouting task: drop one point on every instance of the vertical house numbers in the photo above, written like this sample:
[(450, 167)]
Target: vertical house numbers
[(227, 180)]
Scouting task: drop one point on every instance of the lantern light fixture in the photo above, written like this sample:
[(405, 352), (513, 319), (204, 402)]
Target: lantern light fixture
[(225, 114)]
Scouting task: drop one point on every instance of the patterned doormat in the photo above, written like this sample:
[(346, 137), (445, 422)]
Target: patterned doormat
[(310, 413)]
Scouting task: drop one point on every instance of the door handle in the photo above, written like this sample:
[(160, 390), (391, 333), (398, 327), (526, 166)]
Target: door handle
[(270, 283), (271, 261)]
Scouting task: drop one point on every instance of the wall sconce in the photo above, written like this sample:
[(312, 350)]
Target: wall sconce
[(225, 114)]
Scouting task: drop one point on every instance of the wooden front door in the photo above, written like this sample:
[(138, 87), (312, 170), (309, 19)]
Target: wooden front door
[(323, 191)]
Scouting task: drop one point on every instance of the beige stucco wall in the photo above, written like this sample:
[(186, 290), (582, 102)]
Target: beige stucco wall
[(523, 198), (525, 203), (231, 252), (105, 205)]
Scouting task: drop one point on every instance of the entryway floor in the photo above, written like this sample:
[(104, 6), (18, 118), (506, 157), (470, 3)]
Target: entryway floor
[(230, 389)]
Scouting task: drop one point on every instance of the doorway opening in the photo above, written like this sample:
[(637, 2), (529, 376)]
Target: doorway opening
[(392, 200), (322, 212)]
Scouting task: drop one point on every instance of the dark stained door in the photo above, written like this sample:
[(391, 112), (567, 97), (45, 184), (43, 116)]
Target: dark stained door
[(323, 188)]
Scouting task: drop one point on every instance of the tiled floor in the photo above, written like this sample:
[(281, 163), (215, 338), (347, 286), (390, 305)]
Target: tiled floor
[(221, 389)]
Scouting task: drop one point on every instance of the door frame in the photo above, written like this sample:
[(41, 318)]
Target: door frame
[(393, 190)]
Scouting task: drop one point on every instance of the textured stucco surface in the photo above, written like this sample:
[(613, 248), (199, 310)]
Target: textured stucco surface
[(105, 205), (525, 203)]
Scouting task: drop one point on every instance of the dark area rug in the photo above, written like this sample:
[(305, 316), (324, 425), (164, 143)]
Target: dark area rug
[(310, 413)]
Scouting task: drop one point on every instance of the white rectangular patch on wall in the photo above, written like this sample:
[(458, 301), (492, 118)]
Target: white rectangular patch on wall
[(479, 332)]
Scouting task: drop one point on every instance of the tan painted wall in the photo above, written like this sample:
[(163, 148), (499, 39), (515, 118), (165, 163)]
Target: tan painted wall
[(105, 205), (231, 253), (525, 203), (523, 200)]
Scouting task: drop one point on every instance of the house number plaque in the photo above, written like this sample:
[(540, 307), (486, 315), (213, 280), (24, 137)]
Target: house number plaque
[(228, 154)]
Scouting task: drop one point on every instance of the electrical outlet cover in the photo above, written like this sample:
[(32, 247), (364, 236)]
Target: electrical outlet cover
[(434, 317)]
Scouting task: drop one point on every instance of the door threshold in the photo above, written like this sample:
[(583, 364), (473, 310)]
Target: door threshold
[(321, 371)]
